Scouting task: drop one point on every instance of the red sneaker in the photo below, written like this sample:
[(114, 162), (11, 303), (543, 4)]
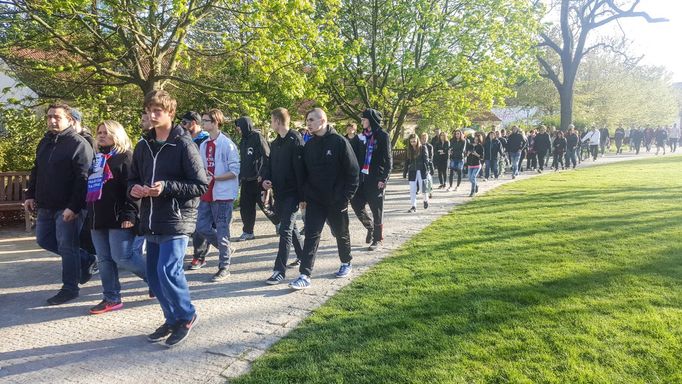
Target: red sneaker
[(196, 264), (105, 306)]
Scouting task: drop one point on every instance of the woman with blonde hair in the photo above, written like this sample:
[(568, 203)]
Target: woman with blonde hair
[(114, 216)]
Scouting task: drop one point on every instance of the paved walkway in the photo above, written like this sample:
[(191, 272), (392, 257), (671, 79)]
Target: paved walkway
[(238, 318)]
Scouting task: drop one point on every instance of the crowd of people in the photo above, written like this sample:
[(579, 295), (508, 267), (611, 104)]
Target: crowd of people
[(106, 201)]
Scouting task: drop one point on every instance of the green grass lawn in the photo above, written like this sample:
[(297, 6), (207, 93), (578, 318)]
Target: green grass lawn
[(573, 277)]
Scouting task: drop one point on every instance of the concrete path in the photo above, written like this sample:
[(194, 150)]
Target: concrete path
[(238, 318)]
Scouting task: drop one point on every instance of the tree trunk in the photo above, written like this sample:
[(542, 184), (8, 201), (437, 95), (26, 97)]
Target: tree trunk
[(566, 97)]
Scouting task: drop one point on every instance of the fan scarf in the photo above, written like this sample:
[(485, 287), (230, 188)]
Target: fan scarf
[(99, 174)]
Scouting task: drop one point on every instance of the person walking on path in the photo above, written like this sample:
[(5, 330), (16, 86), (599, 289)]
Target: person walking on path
[(56, 191), (572, 147), (531, 154), (474, 158), (674, 137), (415, 170), (372, 148), (254, 152), (284, 173), (220, 158), (648, 138), (424, 138), (619, 137), (661, 137), (560, 145), (492, 150), (542, 146), (515, 144), (604, 141), (457, 148), (331, 181), (593, 138), (441, 155), (114, 215), (636, 137), (191, 122), (168, 176)]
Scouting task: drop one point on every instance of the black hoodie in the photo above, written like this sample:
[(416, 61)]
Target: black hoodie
[(382, 161), (285, 167), (332, 169), (253, 150), (177, 164)]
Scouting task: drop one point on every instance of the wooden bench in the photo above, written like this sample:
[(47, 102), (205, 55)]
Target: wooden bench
[(13, 193)]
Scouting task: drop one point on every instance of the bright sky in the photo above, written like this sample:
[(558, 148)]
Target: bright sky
[(658, 42)]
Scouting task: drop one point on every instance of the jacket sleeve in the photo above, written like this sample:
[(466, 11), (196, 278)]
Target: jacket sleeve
[(352, 171), (131, 208), (299, 169), (233, 164), (407, 164), (265, 154), (387, 159), (195, 183), (81, 162), (32, 180)]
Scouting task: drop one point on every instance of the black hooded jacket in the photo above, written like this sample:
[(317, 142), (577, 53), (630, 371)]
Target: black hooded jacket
[(331, 169), (59, 177), (178, 165), (284, 168), (253, 150), (382, 160)]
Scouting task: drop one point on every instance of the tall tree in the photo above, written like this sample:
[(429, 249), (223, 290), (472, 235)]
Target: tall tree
[(569, 41), (427, 57)]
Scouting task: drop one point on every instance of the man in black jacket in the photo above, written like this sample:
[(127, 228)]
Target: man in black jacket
[(515, 145), (253, 153), (331, 181), (372, 149), (57, 189), (285, 174), (168, 176)]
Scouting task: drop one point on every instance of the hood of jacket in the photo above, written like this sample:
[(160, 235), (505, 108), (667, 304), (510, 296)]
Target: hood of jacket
[(374, 118), (245, 125)]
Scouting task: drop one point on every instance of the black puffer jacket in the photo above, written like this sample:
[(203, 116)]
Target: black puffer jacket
[(515, 142), (457, 148), (382, 161), (542, 142), (178, 165), (59, 178), (285, 167), (331, 169), (441, 152), (420, 162), (253, 150), (115, 206)]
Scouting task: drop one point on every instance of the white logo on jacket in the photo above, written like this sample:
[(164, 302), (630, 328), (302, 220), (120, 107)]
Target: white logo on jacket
[(249, 151), (329, 152)]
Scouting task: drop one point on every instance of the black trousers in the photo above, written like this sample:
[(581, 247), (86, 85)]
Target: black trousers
[(370, 194), (541, 159), (286, 208), (442, 167), (249, 197), (316, 215)]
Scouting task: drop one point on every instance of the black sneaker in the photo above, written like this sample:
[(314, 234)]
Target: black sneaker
[(276, 278), (294, 264), (368, 238), (62, 297), (222, 274), (426, 205), (181, 332), (161, 333), (375, 245)]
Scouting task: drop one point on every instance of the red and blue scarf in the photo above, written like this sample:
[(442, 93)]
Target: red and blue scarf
[(99, 175), (369, 140)]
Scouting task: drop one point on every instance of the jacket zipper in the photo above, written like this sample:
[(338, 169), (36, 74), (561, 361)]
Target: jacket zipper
[(151, 201)]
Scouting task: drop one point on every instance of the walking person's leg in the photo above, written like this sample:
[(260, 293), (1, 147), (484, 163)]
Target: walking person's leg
[(108, 270), (248, 197), (359, 203)]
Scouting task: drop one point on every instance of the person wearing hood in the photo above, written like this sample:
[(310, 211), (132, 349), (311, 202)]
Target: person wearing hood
[(168, 177), (191, 122), (372, 148), (254, 152), (56, 192), (331, 181)]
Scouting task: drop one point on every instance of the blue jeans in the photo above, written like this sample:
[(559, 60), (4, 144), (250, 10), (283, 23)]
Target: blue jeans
[(166, 276), (491, 164), (139, 246), (218, 214), (287, 208), (473, 174), (515, 157), (62, 238), (115, 249)]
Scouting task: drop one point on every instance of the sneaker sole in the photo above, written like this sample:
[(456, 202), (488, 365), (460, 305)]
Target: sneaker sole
[(271, 282), (196, 320), (297, 288), (114, 308)]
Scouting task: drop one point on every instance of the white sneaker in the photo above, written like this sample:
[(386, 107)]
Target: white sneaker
[(246, 236)]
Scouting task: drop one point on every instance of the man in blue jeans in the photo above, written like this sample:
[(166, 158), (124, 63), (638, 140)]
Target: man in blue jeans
[(220, 157), (168, 177), (57, 189), (515, 144)]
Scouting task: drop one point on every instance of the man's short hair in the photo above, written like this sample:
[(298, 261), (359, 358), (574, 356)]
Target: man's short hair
[(352, 125), (161, 98), (321, 113), (281, 115), (61, 105), (190, 116), (216, 116)]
